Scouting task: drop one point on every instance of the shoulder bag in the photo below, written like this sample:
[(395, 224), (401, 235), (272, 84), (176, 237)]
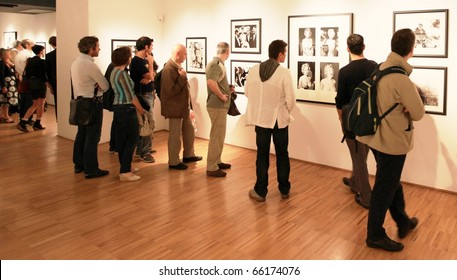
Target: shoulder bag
[(82, 110)]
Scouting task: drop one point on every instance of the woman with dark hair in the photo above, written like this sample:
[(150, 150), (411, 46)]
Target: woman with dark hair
[(125, 107), (35, 71)]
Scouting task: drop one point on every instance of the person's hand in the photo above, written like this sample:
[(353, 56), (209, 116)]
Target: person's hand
[(182, 72), (232, 89), (4, 89), (145, 81), (224, 98)]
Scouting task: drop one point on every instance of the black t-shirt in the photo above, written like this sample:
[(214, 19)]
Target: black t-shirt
[(139, 67), (349, 77)]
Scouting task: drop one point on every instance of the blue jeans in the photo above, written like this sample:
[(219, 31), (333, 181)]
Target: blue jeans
[(281, 142), (144, 145), (126, 125), (86, 143), (387, 195)]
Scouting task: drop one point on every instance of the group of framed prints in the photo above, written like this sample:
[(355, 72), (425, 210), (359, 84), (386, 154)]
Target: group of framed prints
[(317, 51), (431, 30)]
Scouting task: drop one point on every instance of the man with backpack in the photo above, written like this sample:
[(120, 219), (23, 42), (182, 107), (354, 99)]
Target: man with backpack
[(350, 76), (391, 142)]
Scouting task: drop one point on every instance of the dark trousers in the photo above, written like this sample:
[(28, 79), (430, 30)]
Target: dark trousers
[(387, 195), (281, 143), (126, 125), (86, 143), (359, 180), (112, 137), (25, 101)]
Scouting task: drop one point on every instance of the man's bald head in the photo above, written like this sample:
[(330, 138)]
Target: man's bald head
[(179, 53)]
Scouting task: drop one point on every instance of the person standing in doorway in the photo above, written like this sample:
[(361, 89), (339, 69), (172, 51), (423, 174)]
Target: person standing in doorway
[(51, 69)]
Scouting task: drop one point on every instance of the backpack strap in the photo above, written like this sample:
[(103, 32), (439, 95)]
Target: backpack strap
[(390, 70)]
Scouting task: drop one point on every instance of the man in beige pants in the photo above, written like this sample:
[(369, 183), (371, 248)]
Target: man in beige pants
[(175, 106)]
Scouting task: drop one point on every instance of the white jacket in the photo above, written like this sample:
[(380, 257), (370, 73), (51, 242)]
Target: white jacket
[(269, 101)]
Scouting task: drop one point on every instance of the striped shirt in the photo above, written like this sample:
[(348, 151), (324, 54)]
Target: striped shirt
[(122, 86)]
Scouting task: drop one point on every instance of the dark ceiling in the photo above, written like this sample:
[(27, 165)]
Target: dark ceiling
[(27, 6)]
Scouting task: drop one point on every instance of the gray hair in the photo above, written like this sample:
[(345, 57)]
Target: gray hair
[(222, 47)]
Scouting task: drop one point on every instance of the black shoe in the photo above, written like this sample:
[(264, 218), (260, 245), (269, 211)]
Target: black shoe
[(38, 126), (386, 243), (192, 159), (347, 182), (216, 173), (180, 166), (21, 126), (412, 224), (30, 122), (98, 173), (224, 165), (358, 199), (78, 170)]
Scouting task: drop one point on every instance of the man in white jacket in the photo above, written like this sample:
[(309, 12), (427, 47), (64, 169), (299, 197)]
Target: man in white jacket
[(271, 99)]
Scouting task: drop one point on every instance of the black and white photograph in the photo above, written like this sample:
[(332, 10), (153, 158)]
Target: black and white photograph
[(246, 35), (116, 43), (8, 39), (307, 39), (315, 56), (306, 75), (328, 37), (239, 73), (430, 28), (431, 83), (196, 55)]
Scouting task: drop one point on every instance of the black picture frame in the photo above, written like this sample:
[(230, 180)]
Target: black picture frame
[(8, 39), (196, 55), (246, 35), (431, 30), (239, 70), (317, 51), (131, 43), (432, 86)]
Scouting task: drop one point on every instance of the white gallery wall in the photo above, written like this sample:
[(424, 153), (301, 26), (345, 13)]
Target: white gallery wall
[(315, 134)]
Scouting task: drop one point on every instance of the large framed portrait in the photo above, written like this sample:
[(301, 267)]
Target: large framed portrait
[(246, 35), (116, 43), (239, 70), (8, 39), (430, 28), (317, 51), (431, 83), (196, 55)]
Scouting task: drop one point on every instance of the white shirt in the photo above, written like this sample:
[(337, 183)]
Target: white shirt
[(21, 59), (269, 101), (85, 76)]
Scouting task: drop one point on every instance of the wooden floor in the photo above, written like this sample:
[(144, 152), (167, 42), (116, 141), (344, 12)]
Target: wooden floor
[(48, 212)]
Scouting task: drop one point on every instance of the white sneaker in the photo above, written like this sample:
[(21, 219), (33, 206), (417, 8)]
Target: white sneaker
[(125, 178)]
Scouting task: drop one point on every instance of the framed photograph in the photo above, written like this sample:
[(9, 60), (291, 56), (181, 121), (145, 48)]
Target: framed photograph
[(246, 35), (8, 39), (116, 43), (196, 55), (431, 83), (430, 28), (317, 51), (42, 44), (239, 70)]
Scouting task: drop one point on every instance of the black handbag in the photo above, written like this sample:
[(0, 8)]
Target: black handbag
[(233, 110), (82, 110)]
